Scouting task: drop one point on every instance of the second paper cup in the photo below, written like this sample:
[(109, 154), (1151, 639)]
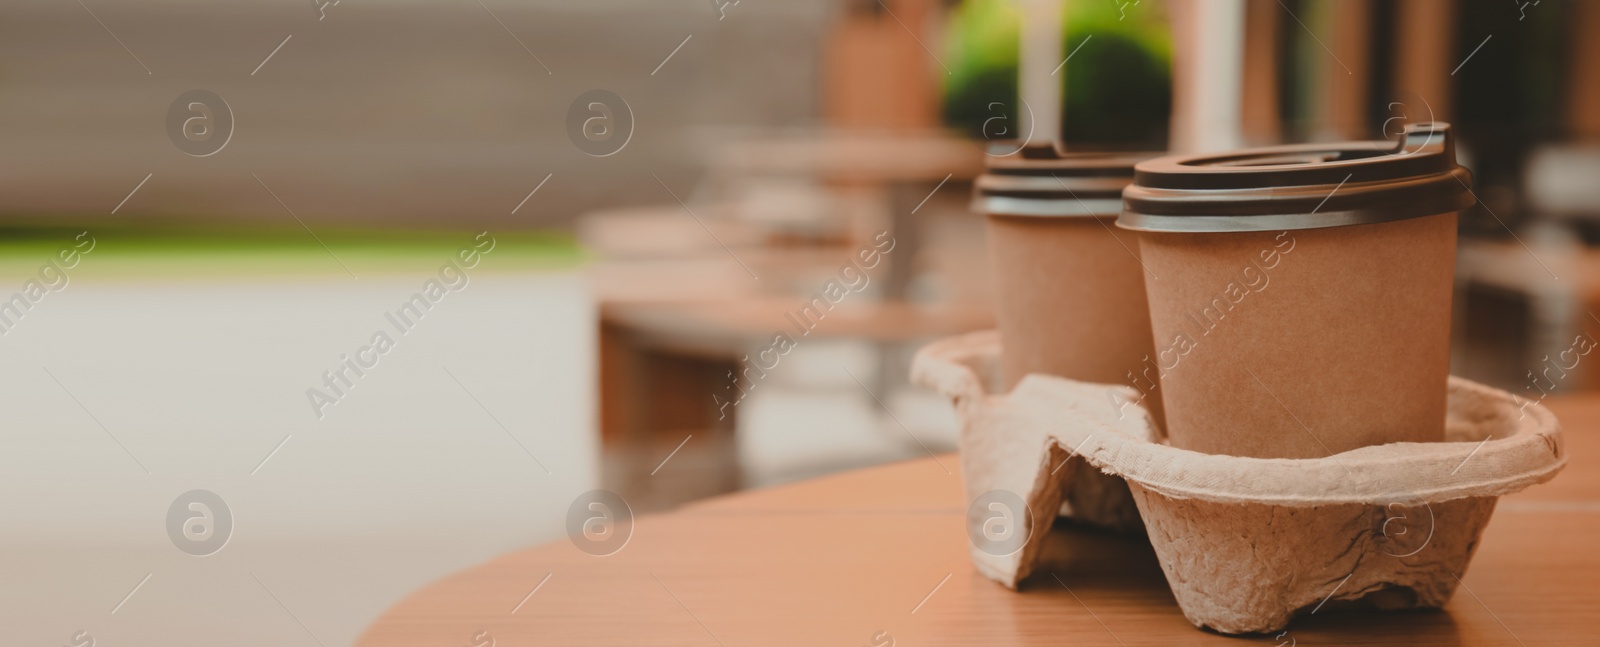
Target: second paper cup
[(1069, 285)]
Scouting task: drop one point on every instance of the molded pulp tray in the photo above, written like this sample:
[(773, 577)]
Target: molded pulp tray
[(1246, 543)]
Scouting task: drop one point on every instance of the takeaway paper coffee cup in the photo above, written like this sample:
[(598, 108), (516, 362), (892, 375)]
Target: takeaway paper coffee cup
[(1300, 297), (1069, 287)]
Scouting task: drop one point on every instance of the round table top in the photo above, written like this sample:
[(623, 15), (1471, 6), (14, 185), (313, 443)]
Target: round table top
[(879, 557)]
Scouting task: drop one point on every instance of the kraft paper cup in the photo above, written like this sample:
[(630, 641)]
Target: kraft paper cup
[(1069, 288), (1302, 300)]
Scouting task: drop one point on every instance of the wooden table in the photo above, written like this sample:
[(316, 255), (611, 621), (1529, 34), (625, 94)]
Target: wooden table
[(837, 560)]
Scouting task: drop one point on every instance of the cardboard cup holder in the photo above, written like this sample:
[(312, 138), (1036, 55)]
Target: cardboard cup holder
[(1245, 543)]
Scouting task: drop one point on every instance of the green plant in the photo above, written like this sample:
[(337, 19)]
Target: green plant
[(1118, 84)]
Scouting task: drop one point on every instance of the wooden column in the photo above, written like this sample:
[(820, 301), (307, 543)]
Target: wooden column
[(1424, 41), (1344, 27), (876, 74), (1583, 104), (1259, 117)]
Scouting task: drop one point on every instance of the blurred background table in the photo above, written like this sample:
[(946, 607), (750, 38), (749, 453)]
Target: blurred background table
[(674, 369), (688, 291), (879, 554)]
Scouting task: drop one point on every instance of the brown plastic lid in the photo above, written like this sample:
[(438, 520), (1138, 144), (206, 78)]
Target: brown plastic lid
[(1300, 187), (1041, 181)]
